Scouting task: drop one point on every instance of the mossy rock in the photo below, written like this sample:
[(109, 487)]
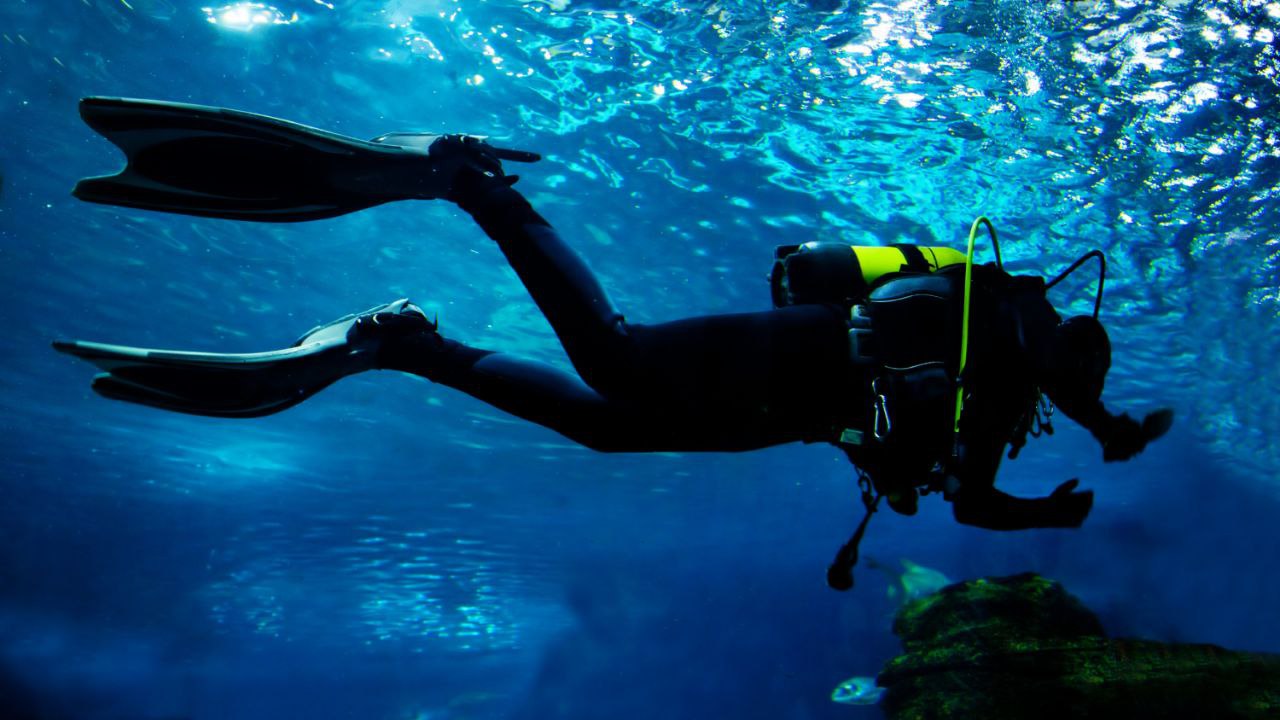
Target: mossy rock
[(1003, 611), (1022, 647)]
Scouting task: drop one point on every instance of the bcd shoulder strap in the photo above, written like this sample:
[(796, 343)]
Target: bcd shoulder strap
[(915, 320)]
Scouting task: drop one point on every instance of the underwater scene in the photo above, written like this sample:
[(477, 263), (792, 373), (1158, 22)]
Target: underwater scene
[(549, 503)]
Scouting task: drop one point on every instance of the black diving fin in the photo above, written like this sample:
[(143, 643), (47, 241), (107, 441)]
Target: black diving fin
[(242, 385), (214, 162)]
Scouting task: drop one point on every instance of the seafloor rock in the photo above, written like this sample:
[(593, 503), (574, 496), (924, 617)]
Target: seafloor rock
[(1022, 647)]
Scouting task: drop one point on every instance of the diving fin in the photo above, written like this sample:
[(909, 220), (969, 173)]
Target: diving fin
[(242, 385), (214, 162)]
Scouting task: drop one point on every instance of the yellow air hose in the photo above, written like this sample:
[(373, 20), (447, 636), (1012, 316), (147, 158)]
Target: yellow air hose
[(964, 324)]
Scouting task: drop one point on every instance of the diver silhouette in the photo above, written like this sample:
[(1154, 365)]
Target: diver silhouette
[(921, 366)]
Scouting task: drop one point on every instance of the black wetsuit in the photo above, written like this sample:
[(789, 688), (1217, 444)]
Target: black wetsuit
[(743, 381), (716, 383)]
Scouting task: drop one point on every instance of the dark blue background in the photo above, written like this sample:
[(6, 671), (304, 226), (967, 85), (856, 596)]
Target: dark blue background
[(391, 549)]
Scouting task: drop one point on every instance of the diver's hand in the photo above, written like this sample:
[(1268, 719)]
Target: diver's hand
[(472, 166), (1127, 437), (1064, 489), (1070, 508), (1156, 424)]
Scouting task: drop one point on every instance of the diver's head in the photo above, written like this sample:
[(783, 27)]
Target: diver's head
[(1081, 358)]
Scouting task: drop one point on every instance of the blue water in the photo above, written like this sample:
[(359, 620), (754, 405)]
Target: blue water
[(393, 549)]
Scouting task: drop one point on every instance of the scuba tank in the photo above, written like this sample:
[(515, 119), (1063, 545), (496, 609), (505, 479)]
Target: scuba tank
[(833, 272)]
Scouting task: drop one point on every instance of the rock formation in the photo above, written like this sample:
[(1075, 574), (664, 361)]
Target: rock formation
[(1022, 647)]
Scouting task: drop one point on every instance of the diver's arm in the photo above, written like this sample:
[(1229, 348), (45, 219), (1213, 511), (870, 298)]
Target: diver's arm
[(995, 510), (975, 500), (1038, 327), (1121, 436), (1101, 424)]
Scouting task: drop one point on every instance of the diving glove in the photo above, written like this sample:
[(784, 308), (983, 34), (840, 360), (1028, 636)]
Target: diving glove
[(1069, 507), (1127, 437)]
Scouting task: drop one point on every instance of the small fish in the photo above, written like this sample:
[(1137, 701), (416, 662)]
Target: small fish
[(857, 691), (918, 581), (914, 581), (154, 9)]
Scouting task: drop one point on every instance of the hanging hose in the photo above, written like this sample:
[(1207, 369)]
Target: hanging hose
[(840, 573), (1102, 277), (964, 323)]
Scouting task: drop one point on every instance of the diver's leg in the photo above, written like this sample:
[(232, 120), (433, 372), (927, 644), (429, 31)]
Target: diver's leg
[(722, 361), (727, 382), (716, 383), (589, 326), (531, 390), (771, 372)]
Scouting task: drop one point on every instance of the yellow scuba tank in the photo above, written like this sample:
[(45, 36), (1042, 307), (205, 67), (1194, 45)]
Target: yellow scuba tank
[(917, 327), (832, 272)]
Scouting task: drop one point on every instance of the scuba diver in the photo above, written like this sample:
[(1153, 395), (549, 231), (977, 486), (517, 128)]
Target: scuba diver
[(921, 366)]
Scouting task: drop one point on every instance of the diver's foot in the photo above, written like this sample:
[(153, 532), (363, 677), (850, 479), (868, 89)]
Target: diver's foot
[(405, 339), (400, 337), (383, 334)]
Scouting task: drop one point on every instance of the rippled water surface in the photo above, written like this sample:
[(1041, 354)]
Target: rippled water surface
[(393, 549)]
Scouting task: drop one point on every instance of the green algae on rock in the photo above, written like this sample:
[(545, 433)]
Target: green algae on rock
[(1023, 647)]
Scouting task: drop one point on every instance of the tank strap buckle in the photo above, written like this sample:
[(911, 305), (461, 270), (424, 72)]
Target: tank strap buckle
[(882, 419), (860, 336)]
